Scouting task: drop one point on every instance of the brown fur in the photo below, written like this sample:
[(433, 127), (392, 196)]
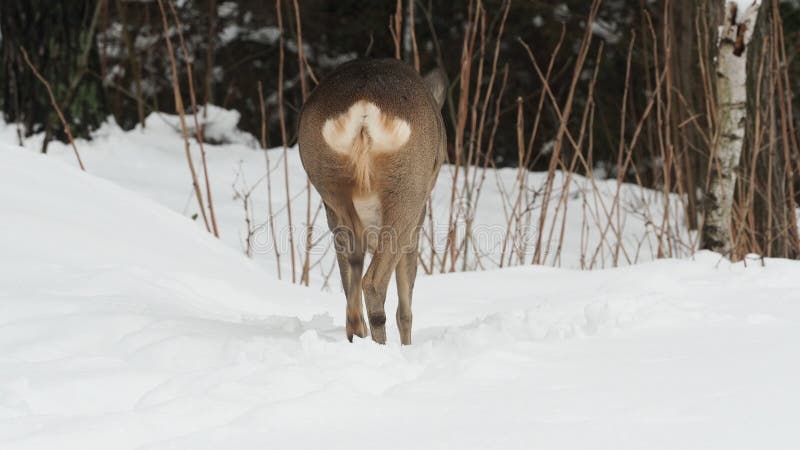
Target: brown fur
[(399, 165)]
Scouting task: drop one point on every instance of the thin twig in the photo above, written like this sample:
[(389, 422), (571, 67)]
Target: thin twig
[(55, 106)]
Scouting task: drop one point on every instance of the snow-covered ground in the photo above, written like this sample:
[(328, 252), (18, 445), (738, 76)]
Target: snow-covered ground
[(124, 325)]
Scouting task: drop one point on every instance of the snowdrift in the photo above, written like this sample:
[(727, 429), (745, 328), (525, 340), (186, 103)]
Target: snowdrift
[(123, 325)]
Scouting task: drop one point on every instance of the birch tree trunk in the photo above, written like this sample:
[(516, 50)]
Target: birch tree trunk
[(735, 35)]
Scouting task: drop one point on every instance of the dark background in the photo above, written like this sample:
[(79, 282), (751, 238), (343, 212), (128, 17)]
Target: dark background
[(245, 51)]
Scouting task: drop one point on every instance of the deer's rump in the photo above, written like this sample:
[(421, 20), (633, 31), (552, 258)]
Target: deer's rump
[(371, 126), (361, 133)]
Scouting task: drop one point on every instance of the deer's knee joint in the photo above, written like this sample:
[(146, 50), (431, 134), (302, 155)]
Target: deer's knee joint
[(377, 319), (355, 259)]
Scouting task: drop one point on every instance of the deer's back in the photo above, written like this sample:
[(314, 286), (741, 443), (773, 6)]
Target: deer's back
[(392, 86)]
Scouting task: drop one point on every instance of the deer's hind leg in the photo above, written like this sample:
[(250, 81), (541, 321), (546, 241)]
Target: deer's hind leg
[(405, 275), (395, 239), (375, 283), (350, 258)]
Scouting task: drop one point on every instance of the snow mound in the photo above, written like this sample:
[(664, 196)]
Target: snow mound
[(123, 325), (219, 125)]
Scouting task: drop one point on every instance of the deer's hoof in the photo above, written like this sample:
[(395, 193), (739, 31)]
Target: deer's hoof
[(356, 327)]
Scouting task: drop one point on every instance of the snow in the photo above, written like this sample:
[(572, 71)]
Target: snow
[(742, 6), (263, 35), (606, 31), (124, 325)]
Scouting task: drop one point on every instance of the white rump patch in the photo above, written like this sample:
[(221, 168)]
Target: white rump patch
[(368, 208), (364, 120)]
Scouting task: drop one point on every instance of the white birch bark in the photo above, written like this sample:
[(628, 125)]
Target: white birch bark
[(734, 37)]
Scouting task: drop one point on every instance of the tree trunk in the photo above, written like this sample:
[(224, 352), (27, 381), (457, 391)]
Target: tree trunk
[(766, 198), (736, 32), (689, 99)]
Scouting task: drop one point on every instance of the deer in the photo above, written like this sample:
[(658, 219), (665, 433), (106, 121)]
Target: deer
[(372, 139)]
